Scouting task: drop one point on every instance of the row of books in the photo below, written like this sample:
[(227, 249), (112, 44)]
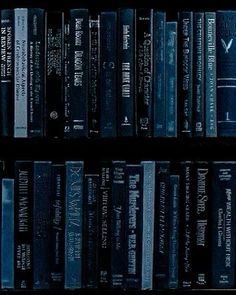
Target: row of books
[(149, 225), (117, 73)]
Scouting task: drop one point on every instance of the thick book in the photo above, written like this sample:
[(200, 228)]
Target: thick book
[(171, 79), (57, 226), (20, 72), (23, 269), (7, 234), (226, 72), (90, 231), (210, 75), (41, 224), (148, 224), (159, 58), (144, 68), (134, 226), (108, 74), (7, 73), (54, 74), (118, 224), (78, 72), (73, 224), (161, 227), (36, 70), (185, 33), (198, 75), (66, 76), (223, 188), (126, 72)]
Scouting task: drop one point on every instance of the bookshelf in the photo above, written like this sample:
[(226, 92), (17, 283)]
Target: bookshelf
[(134, 150)]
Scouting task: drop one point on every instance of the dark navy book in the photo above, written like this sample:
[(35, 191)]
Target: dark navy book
[(223, 189), (226, 72)]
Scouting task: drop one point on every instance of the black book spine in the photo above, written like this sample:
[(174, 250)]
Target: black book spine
[(202, 248), (90, 231), (54, 74), (57, 228), (78, 71), (104, 248), (66, 69), (108, 89), (185, 72), (126, 74), (161, 234), (198, 75), (6, 85), (36, 77), (23, 225), (133, 226), (94, 76), (144, 67)]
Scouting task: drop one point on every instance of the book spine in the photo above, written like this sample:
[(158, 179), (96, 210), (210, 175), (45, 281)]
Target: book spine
[(73, 224), (7, 72), (118, 225), (171, 79), (36, 69), (104, 241), (148, 224), (210, 75), (226, 72), (41, 224), (174, 232), (198, 75), (57, 229), (134, 226), (90, 224), (21, 72), (186, 72), (54, 74), (186, 225), (7, 234), (144, 68), (79, 48), (66, 69), (202, 249), (159, 99), (161, 235), (108, 87), (223, 224), (23, 269), (126, 78), (94, 76)]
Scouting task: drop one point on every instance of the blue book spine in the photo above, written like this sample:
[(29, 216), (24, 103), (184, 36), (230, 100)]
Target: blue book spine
[(6, 74), (7, 234), (171, 79), (57, 229), (134, 226), (210, 75), (159, 100), (223, 188), (161, 227), (78, 61), (90, 231), (185, 22), (226, 72), (118, 224), (36, 68), (126, 78), (73, 224), (173, 282), (41, 225), (198, 75), (108, 87), (148, 224), (144, 67)]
